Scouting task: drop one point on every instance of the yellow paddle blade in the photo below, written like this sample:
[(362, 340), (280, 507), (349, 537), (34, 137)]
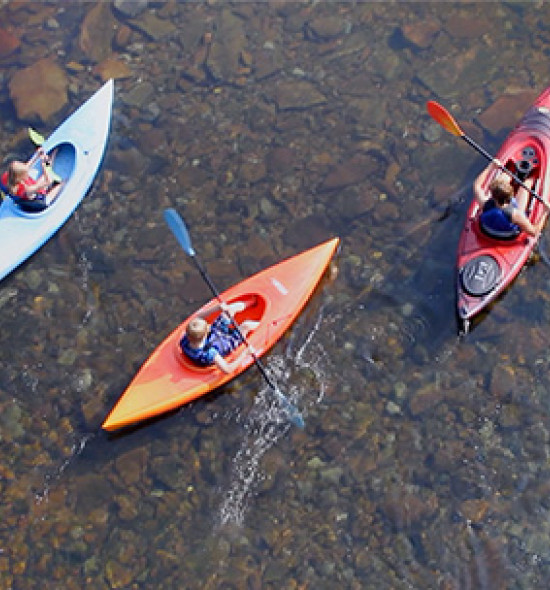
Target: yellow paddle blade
[(35, 137), (444, 118)]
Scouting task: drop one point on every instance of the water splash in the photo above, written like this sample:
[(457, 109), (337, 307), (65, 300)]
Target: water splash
[(51, 478), (265, 426), (268, 421)]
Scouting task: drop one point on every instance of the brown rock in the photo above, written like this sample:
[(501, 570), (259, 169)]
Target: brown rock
[(252, 171), (298, 95), (325, 28), (503, 381), (280, 160), (354, 171), (112, 68), (421, 34), (131, 466), (8, 42), (474, 510), (39, 91), (123, 36), (408, 509), (424, 399), (118, 575), (154, 27), (228, 45), (97, 32), (505, 112), (307, 231), (466, 27)]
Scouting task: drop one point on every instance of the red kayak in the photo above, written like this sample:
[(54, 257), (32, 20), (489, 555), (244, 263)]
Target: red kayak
[(487, 264), (274, 296)]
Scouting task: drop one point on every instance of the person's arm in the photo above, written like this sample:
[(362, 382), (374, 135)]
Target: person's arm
[(230, 366), (230, 309), (480, 195), (522, 221)]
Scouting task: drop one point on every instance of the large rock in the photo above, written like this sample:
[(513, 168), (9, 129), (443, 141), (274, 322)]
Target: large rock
[(97, 32), (39, 91), (297, 95), (227, 47), (505, 112)]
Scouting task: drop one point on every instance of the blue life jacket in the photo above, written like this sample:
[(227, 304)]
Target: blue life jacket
[(222, 339), (497, 222)]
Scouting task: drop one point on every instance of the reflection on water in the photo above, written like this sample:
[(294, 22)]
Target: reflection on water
[(271, 127)]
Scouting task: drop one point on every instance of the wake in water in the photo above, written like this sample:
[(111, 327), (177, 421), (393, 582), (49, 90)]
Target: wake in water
[(267, 421)]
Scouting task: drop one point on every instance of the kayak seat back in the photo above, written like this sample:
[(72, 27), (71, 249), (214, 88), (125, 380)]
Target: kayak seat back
[(498, 235)]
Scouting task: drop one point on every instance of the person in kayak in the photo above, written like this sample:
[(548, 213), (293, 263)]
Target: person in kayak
[(503, 212), (208, 345), (22, 187)]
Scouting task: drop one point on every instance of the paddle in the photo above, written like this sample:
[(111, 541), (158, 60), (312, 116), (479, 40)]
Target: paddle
[(178, 228), (446, 120), (39, 140), (36, 137)]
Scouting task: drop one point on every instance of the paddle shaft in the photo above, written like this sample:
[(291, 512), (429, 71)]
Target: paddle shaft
[(440, 114), (179, 229), (483, 152), (216, 294), (295, 415)]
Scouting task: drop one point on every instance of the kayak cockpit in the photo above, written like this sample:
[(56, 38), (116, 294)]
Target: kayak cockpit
[(255, 310), (524, 163), (64, 158)]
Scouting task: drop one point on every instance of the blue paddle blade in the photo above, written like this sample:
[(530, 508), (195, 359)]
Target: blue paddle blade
[(293, 413), (296, 419), (177, 226)]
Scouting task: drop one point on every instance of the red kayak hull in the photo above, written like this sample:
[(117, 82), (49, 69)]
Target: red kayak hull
[(485, 265)]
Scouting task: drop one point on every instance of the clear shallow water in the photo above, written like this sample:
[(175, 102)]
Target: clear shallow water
[(423, 463)]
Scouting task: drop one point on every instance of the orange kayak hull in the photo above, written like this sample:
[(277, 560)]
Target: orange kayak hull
[(274, 296)]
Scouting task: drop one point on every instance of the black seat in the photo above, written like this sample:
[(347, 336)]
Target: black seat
[(498, 235)]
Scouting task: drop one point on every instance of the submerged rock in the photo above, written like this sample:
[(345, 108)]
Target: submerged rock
[(39, 91), (130, 8), (298, 95), (9, 42), (97, 32)]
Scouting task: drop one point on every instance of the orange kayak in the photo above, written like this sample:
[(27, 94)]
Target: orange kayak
[(274, 296)]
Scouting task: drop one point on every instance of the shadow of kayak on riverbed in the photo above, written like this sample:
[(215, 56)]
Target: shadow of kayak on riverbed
[(410, 314)]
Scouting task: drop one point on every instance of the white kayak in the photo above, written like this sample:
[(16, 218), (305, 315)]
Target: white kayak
[(78, 144)]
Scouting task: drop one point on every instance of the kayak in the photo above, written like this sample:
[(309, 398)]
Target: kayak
[(274, 297), (487, 264), (77, 147)]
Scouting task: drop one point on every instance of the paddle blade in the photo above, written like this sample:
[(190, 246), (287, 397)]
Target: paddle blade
[(294, 414), (35, 137), (444, 118), (178, 228)]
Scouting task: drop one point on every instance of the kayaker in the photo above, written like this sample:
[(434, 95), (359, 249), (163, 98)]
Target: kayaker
[(208, 345), (503, 212), (21, 186)]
